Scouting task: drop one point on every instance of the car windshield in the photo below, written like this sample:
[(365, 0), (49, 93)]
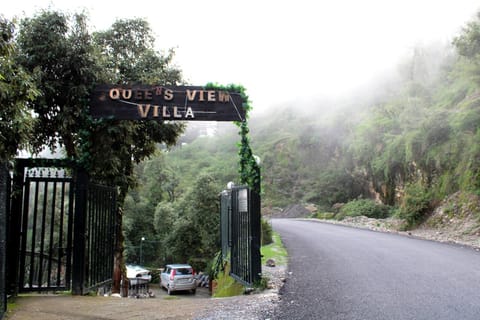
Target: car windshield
[(183, 271)]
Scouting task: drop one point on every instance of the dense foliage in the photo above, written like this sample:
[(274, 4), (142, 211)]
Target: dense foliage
[(59, 50), (363, 207), (17, 89), (66, 62), (408, 145)]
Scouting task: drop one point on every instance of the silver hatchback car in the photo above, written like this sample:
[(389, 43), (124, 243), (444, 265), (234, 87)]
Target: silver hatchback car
[(178, 277)]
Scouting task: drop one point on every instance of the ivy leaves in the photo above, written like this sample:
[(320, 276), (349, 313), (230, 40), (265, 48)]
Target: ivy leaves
[(249, 168)]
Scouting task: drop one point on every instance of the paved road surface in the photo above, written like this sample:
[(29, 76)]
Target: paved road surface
[(345, 273)]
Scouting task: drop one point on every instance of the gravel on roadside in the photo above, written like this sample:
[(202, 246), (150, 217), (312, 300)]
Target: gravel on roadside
[(254, 306)]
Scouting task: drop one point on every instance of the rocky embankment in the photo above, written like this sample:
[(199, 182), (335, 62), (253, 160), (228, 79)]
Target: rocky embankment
[(455, 220)]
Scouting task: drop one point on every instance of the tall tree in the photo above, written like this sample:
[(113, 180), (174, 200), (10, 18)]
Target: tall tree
[(468, 42), (128, 56), (59, 49), (203, 210), (69, 63), (17, 89)]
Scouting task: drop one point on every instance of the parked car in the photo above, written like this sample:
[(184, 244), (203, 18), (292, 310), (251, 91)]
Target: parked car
[(138, 275), (178, 277)]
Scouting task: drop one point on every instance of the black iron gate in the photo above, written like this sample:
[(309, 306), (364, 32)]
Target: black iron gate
[(46, 236), (61, 229), (100, 242), (240, 228)]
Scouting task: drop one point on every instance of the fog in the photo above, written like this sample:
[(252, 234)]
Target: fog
[(282, 52)]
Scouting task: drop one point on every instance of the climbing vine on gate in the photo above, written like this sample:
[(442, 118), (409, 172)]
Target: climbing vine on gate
[(249, 169)]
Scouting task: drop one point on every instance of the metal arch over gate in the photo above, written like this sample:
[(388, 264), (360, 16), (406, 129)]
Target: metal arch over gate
[(61, 229), (74, 228), (172, 103)]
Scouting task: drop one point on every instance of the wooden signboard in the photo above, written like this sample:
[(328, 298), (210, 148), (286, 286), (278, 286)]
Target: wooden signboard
[(173, 103)]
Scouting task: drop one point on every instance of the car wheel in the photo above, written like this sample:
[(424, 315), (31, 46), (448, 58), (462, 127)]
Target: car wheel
[(194, 291)]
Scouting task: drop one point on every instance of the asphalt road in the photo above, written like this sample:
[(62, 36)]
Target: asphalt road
[(338, 272)]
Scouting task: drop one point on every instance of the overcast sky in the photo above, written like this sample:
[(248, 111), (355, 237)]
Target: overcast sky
[(280, 50)]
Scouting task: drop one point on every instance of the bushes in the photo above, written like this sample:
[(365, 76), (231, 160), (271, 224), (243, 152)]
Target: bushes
[(363, 207), (324, 215), (266, 232), (415, 205)]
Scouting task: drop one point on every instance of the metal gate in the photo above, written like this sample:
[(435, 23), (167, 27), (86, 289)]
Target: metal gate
[(46, 236), (240, 226), (61, 229), (100, 242)]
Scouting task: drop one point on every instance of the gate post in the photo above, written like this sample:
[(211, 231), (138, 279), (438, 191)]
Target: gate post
[(4, 200), (256, 232), (14, 228), (79, 233), (245, 258)]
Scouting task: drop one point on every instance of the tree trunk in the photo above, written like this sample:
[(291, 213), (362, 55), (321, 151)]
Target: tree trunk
[(119, 271)]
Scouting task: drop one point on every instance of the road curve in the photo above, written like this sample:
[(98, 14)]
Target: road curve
[(338, 272)]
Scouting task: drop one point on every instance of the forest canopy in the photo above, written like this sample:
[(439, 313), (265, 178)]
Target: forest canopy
[(409, 144)]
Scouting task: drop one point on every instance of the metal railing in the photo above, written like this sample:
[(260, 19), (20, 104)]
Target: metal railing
[(100, 244), (61, 229), (241, 233)]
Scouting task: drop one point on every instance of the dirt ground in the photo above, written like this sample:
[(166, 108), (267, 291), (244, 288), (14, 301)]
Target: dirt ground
[(181, 305), (65, 307), (455, 225)]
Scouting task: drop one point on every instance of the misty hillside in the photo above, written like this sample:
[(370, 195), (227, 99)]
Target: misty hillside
[(409, 142)]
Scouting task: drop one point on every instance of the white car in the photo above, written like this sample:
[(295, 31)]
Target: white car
[(178, 277), (138, 275)]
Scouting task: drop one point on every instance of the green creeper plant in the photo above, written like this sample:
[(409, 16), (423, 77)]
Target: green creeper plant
[(249, 169)]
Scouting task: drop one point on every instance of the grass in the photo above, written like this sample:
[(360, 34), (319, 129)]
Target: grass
[(11, 306), (275, 251), (226, 286)]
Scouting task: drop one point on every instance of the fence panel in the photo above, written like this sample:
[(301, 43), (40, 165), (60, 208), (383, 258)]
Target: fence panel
[(245, 235), (60, 229), (46, 240), (100, 244)]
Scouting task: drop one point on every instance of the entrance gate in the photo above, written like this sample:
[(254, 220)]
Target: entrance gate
[(61, 229), (240, 231)]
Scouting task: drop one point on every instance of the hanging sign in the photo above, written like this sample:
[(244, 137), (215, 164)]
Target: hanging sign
[(173, 103)]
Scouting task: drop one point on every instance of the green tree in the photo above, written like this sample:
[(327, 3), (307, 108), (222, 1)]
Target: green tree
[(182, 242), (69, 63), (137, 226), (59, 50), (128, 56), (203, 210), (468, 42), (17, 90), (165, 217)]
